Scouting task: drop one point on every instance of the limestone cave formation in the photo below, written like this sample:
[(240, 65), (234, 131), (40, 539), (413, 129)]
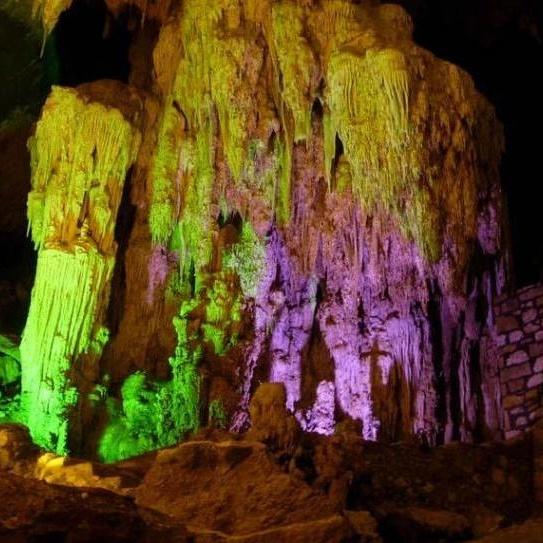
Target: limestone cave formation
[(270, 271)]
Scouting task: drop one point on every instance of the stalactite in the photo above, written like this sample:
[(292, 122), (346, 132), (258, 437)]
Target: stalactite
[(372, 90), (315, 175), (296, 64), (81, 153), (49, 11), (165, 203)]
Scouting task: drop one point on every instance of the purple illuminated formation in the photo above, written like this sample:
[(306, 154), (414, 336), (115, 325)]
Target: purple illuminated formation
[(407, 340), (161, 264)]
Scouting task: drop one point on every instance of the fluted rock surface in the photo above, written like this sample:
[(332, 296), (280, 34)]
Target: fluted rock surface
[(315, 202)]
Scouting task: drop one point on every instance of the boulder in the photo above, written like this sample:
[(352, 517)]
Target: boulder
[(271, 422), (365, 526), (35, 511), (16, 448), (235, 488), (420, 525)]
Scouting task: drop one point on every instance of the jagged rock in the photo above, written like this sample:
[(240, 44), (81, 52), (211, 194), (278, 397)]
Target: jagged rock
[(337, 460), (237, 489), (271, 422), (418, 525), (529, 532), (364, 525), (35, 511)]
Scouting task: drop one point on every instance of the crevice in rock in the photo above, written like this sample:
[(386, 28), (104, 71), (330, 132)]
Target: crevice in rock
[(123, 229)]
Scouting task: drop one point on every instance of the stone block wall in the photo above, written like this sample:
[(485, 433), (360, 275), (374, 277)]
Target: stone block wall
[(519, 327)]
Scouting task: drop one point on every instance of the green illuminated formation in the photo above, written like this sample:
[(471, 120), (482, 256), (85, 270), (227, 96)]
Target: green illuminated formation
[(10, 376), (248, 259), (296, 64), (10, 369), (80, 152), (153, 414)]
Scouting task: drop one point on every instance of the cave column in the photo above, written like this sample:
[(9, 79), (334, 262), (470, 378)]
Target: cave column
[(81, 152)]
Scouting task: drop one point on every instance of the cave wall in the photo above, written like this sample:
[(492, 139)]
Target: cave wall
[(519, 329), (315, 201)]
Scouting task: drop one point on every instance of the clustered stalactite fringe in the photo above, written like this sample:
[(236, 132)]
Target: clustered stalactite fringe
[(401, 205), (363, 173)]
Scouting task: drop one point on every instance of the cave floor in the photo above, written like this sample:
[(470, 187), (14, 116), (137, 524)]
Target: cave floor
[(222, 487)]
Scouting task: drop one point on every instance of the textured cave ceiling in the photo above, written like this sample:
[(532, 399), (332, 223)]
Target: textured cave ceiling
[(499, 42)]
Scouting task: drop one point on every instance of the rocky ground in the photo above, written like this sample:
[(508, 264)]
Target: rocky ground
[(273, 484)]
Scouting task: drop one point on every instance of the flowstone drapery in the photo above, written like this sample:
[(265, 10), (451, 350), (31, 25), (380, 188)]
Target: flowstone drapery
[(368, 171)]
